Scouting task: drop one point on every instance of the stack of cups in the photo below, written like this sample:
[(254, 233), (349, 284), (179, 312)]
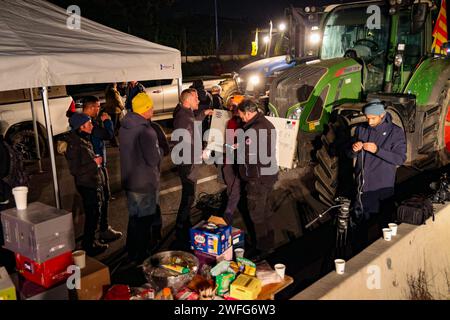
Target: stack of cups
[(20, 197)]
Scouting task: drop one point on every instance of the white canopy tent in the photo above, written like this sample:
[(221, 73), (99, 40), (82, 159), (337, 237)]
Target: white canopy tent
[(38, 48)]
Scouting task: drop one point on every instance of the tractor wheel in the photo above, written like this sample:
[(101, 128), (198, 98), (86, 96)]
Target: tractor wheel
[(333, 172)]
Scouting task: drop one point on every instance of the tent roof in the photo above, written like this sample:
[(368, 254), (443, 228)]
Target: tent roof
[(38, 49)]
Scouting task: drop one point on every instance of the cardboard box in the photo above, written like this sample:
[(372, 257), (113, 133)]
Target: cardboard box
[(212, 237), (45, 274), (238, 238), (94, 280), (7, 288), (211, 259), (39, 232), (245, 287)]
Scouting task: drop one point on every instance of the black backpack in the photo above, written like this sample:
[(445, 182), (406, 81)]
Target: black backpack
[(415, 210)]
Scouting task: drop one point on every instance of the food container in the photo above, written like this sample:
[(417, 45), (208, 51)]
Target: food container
[(161, 277)]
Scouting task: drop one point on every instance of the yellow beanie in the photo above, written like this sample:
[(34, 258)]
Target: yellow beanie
[(141, 103)]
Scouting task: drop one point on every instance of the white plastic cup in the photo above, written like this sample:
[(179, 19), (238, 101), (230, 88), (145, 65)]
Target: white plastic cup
[(20, 197), (239, 253), (79, 258), (340, 266), (387, 234), (280, 269), (393, 228)]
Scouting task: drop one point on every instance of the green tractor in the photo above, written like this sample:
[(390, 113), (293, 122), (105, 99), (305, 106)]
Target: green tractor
[(371, 49)]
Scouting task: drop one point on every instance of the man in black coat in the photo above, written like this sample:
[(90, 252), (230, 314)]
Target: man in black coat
[(258, 169), (85, 167), (188, 124)]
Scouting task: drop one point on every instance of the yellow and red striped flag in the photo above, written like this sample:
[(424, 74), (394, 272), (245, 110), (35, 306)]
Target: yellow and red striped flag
[(440, 29)]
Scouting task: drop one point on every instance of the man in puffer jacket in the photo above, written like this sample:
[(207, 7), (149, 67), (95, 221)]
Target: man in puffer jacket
[(85, 167)]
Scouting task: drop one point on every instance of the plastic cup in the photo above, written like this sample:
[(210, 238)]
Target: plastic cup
[(79, 258), (393, 228), (20, 197), (280, 269), (239, 253), (387, 234), (340, 266)]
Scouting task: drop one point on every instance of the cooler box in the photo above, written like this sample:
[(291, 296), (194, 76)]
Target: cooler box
[(39, 232), (46, 274), (211, 237), (7, 288)]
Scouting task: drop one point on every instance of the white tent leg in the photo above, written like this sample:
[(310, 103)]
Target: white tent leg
[(180, 86), (36, 133), (48, 124)]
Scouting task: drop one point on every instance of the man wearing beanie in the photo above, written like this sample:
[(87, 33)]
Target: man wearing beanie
[(141, 151), (85, 167), (379, 147)]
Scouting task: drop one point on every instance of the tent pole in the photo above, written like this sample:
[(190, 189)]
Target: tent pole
[(36, 133), (180, 86), (48, 124)]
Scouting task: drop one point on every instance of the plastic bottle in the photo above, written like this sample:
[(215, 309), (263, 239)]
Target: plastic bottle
[(166, 294)]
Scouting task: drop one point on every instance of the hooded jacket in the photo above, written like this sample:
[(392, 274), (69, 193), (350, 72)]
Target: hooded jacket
[(375, 171), (140, 154)]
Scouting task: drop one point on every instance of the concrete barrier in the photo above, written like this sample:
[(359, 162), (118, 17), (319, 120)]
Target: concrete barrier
[(414, 265)]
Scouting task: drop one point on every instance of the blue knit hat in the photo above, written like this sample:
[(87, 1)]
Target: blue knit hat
[(77, 120), (374, 107)]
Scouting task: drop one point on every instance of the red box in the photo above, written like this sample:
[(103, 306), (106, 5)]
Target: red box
[(47, 273)]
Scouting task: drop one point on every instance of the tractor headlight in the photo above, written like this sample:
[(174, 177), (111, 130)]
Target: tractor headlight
[(314, 38), (398, 60), (254, 80), (392, 11), (296, 114)]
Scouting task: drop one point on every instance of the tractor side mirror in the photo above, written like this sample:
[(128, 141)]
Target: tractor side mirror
[(419, 14)]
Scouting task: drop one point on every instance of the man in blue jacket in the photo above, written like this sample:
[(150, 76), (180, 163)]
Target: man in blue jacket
[(379, 148), (142, 148)]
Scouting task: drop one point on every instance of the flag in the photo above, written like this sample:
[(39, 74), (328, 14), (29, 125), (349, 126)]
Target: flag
[(440, 29)]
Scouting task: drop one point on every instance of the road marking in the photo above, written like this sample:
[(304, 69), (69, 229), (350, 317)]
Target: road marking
[(177, 188)]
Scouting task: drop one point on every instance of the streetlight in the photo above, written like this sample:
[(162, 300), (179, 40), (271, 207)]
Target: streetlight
[(282, 26)]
